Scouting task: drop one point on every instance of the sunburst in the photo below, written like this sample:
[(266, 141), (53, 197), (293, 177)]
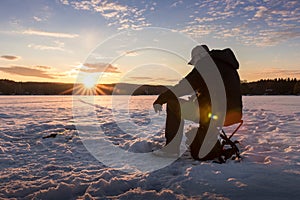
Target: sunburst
[(89, 83), (82, 89)]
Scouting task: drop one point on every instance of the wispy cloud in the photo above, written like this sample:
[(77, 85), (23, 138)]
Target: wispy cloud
[(176, 3), (141, 78), (49, 34), (261, 10), (117, 14), (65, 2), (43, 67), (27, 71), (98, 68), (38, 19), (276, 73), (249, 8), (10, 57), (274, 37), (57, 46), (131, 53), (251, 23), (198, 30), (148, 79)]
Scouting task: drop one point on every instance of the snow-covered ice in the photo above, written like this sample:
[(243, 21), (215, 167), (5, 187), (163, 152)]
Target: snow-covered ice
[(34, 165)]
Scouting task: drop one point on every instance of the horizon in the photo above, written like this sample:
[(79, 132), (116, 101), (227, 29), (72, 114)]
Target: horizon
[(242, 81), (39, 44)]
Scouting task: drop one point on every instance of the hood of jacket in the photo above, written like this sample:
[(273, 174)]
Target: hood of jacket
[(226, 56)]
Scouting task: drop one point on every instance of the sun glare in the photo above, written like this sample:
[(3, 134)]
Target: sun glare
[(89, 82), (89, 86)]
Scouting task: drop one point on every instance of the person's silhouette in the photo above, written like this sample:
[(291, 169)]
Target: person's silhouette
[(179, 109)]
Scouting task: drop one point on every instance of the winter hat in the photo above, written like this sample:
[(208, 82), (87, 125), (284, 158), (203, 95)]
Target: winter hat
[(197, 53)]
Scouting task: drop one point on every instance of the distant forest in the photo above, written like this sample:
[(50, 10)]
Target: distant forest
[(278, 86)]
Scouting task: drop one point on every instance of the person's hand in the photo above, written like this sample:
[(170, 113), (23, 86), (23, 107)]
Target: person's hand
[(157, 107)]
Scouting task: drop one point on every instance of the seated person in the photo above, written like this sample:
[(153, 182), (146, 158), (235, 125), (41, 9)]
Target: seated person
[(198, 107)]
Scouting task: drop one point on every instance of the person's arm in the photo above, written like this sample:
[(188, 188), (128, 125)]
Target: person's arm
[(187, 85)]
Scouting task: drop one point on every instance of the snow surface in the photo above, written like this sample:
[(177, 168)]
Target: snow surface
[(61, 167)]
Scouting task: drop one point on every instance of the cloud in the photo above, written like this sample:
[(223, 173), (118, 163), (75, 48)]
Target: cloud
[(205, 19), (27, 71), (269, 37), (159, 80), (10, 57), (274, 37), (232, 4), (199, 30), (261, 11), (277, 73), (99, 67), (38, 19), (45, 47), (131, 53), (43, 67), (65, 2), (58, 46), (49, 34), (176, 3), (249, 8), (141, 78), (249, 22), (110, 14), (117, 14)]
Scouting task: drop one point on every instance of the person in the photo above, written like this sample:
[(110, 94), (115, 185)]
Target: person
[(198, 107)]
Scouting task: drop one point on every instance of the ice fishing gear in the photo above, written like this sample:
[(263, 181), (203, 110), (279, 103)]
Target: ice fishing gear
[(228, 148), (223, 150)]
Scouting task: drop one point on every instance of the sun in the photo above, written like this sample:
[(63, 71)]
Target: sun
[(89, 82), (88, 85)]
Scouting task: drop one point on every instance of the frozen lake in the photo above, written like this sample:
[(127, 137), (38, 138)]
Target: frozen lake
[(35, 164)]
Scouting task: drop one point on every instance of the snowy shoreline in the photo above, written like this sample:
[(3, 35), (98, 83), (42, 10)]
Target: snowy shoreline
[(61, 167)]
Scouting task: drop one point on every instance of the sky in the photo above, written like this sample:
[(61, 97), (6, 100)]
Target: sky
[(55, 40)]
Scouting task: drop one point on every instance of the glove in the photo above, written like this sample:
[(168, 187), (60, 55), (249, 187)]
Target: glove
[(157, 107)]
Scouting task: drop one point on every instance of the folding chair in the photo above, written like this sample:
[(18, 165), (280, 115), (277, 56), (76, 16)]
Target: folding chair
[(225, 140)]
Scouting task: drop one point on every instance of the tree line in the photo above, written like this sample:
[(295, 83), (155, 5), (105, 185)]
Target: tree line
[(278, 86), (9, 87)]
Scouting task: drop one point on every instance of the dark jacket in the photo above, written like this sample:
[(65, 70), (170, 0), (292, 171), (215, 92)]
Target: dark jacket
[(227, 65)]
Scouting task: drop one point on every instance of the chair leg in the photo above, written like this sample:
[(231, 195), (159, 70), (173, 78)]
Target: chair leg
[(237, 128), (229, 142)]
